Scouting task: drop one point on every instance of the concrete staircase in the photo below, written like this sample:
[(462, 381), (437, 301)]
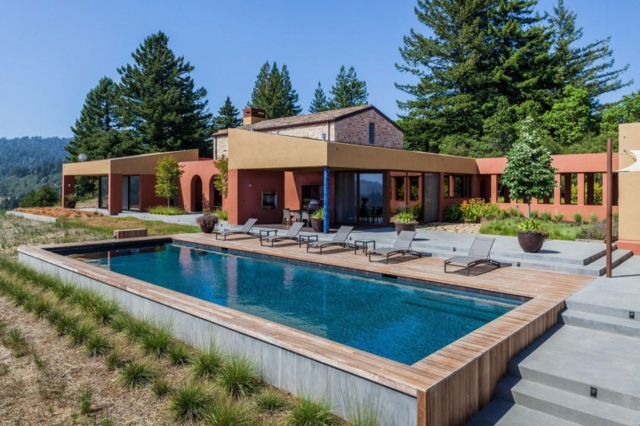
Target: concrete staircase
[(584, 371)]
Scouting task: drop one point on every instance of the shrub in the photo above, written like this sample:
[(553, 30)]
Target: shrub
[(17, 343), (207, 220), (157, 342), (190, 403), (577, 217), (65, 323), (308, 411), (405, 217), (534, 214), (42, 308), (558, 217), (208, 363), (104, 311), (452, 213), (179, 354), (81, 333), (119, 322), (238, 376), (161, 387), (514, 212), (226, 413), (531, 225), (137, 374), (222, 214), (546, 216), (97, 345), (594, 231), (270, 401), (45, 196), (593, 218), (166, 210), (473, 210), (64, 291), (114, 359), (318, 214), (85, 401), (136, 329)]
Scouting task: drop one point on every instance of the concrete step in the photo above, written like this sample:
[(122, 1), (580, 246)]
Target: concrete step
[(609, 324), (503, 413), (611, 297), (617, 258), (575, 359), (583, 410), (595, 269)]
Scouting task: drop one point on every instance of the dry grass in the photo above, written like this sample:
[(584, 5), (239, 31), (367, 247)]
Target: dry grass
[(57, 212), (107, 225)]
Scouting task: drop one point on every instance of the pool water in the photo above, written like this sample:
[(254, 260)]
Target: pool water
[(399, 321)]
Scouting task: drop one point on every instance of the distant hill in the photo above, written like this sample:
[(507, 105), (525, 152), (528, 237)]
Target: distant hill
[(27, 163)]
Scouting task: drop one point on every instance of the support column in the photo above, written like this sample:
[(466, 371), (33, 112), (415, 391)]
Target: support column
[(556, 191), (68, 187), (115, 193), (494, 189), (327, 210), (581, 189)]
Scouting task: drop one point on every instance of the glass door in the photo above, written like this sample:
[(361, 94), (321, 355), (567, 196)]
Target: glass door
[(346, 197), (370, 194), (103, 192), (134, 192), (431, 199)]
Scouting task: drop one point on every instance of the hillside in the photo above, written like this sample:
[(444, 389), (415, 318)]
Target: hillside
[(27, 163)]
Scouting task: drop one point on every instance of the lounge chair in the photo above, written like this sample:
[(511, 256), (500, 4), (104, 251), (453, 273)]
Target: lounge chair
[(478, 254), (340, 239), (402, 246), (245, 230), (292, 234)]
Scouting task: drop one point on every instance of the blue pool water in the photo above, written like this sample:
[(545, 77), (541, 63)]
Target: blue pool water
[(402, 322)]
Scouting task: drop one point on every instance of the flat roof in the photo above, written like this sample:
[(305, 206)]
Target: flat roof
[(143, 164)]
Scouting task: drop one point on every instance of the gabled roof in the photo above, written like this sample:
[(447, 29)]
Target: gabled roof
[(309, 119)]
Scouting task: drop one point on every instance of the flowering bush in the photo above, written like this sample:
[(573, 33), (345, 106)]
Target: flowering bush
[(453, 213), (207, 220), (476, 208), (415, 209)]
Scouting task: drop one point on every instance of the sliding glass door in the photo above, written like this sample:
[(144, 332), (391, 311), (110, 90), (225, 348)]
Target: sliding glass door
[(131, 193), (359, 198)]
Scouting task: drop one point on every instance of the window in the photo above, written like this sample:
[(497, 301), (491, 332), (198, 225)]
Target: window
[(372, 133), (399, 188), (461, 185), (414, 185)]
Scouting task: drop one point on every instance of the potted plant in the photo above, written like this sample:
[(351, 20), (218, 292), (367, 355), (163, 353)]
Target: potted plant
[(317, 220), (207, 222), (72, 199), (528, 175), (405, 221), (531, 235)]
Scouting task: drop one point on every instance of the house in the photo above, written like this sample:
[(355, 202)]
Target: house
[(352, 162)]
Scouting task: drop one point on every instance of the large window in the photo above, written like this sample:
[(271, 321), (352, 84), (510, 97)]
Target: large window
[(399, 182), (359, 197), (457, 186), (414, 188)]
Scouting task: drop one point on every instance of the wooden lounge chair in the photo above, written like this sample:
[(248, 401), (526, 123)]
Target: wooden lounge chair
[(402, 246), (340, 239), (478, 254), (292, 234), (245, 230)]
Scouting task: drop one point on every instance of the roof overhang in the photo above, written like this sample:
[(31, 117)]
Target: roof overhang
[(144, 164)]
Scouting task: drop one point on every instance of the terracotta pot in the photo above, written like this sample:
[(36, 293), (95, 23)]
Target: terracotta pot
[(207, 229), (406, 227), (317, 225), (530, 242)]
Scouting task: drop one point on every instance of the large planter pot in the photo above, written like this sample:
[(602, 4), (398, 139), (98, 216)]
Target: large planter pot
[(206, 229), (71, 204), (406, 227), (317, 225), (530, 242)]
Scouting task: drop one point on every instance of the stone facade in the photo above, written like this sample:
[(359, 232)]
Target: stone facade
[(355, 129), (220, 146), (313, 131)]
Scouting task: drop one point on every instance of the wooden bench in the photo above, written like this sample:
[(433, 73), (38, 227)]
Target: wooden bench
[(120, 234)]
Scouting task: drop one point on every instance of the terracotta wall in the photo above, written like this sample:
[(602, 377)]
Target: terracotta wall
[(115, 193), (293, 182), (68, 187), (148, 197), (204, 169), (245, 195)]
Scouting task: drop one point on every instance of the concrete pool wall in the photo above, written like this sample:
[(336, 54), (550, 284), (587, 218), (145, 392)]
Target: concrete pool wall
[(446, 388)]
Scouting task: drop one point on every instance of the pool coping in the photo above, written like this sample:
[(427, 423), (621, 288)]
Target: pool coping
[(478, 358)]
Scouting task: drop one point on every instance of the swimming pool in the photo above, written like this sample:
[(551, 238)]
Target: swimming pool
[(397, 320)]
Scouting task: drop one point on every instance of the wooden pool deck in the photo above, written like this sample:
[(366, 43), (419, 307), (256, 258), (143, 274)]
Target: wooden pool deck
[(450, 385), (455, 382)]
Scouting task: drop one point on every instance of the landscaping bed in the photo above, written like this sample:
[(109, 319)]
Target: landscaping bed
[(57, 212)]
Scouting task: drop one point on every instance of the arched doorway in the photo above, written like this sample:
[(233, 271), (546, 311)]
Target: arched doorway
[(196, 194), (215, 197)]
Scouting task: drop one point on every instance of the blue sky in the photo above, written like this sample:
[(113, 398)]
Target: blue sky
[(53, 52)]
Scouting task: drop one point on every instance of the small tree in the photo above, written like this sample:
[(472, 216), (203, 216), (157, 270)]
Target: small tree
[(168, 172), (528, 173), (221, 180)]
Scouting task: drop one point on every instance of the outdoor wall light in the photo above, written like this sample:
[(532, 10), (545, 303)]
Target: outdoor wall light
[(249, 185), (632, 315), (593, 392)]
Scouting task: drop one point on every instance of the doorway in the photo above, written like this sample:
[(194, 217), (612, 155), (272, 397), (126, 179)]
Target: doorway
[(431, 198), (359, 198), (196, 194), (131, 193)]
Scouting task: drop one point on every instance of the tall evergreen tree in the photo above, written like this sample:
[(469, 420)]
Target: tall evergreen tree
[(274, 93), (228, 116), (160, 105), (348, 91), (590, 66), (319, 102), (96, 133)]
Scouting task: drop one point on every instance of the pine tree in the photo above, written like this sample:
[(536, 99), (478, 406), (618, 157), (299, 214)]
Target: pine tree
[(160, 105), (320, 102), (96, 133), (228, 116), (590, 66), (348, 91), (274, 93)]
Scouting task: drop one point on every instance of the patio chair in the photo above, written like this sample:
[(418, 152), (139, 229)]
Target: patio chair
[(402, 246), (245, 230), (340, 239), (478, 254), (306, 219), (292, 234), (286, 216), (297, 216)]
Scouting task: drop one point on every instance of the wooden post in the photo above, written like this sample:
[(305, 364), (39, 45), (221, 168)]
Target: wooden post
[(609, 204)]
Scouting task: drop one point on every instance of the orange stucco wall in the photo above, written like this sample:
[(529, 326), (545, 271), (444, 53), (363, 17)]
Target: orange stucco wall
[(245, 195), (293, 183), (148, 197), (68, 187), (204, 169)]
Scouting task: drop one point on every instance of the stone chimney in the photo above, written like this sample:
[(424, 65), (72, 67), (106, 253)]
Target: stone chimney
[(252, 115)]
